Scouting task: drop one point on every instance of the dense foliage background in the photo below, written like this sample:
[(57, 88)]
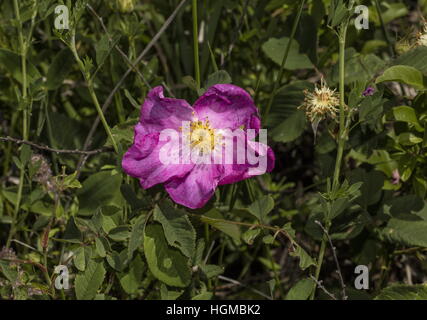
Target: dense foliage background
[(64, 199)]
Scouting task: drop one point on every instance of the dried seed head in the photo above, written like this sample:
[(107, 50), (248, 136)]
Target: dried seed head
[(320, 103), (44, 173), (7, 253), (422, 36)]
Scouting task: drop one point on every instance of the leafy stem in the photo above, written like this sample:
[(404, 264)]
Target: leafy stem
[(341, 144)]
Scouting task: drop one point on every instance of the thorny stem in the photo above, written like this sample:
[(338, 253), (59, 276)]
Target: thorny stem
[(196, 44), (285, 57), (341, 143)]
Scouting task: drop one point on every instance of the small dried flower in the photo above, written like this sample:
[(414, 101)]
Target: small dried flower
[(422, 36), (321, 103), (44, 173), (369, 91), (7, 253)]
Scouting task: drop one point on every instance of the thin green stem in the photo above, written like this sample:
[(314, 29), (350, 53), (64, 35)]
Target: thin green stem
[(342, 129), (384, 29), (92, 93), (285, 57), (23, 50), (196, 44), (341, 144)]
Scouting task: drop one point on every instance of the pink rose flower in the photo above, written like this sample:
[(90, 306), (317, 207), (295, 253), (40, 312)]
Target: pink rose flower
[(223, 110)]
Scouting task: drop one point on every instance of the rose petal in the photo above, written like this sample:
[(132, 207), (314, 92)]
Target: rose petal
[(143, 161), (158, 112), (237, 172), (197, 187), (227, 106)]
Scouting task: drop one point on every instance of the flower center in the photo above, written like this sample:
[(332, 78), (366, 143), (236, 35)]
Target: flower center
[(202, 135)]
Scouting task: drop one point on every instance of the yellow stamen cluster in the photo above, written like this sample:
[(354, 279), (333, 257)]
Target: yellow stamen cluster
[(321, 103), (202, 136)]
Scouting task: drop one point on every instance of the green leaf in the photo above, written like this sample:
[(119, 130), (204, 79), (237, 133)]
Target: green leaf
[(61, 66), (403, 292), (131, 281), (416, 58), (408, 115), (359, 68), (371, 189), (102, 48), (179, 231), (167, 294), (337, 13), (88, 283), (101, 247), (407, 232), (262, 207), (191, 83), (404, 74), (136, 235), (72, 232), (98, 190), (275, 50), (12, 63), (301, 290), (214, 217), (79, 259), (250, 235), (408, 139), (211, 270), (120, 233), (291, 128), (118, 261), (8, 272), (218, 77), (305, 260), (167, 264)]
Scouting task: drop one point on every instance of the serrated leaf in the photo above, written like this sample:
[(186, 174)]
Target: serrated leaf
[(166, 263), (179, 231), (79, 259), (100, 247), (136, 236), (407, 232), (403, 292), (262, 207), (88, 282)]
